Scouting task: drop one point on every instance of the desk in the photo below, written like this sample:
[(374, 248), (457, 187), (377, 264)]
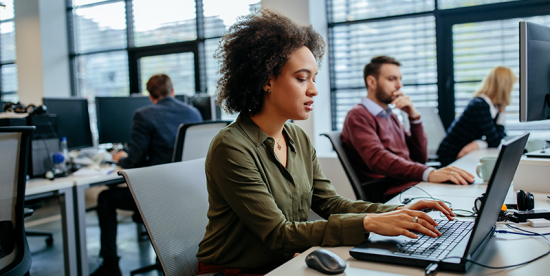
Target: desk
[(71, 193), (81, 183), (63, 189), (503, 249)]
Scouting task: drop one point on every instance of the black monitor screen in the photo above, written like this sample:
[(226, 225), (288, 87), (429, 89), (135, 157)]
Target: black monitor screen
[(73, 120), (115, 116), (534, 71), (183, 98), (207, 107)]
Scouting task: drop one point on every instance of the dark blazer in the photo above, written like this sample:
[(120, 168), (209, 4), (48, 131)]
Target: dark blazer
[(475, 123), (154, 132)]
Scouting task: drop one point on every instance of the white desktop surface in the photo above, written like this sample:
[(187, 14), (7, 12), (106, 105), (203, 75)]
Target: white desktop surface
[(42, 185), (502, 249)]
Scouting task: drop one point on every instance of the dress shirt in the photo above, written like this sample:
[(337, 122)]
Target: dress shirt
[(377, 110), (259, 208)]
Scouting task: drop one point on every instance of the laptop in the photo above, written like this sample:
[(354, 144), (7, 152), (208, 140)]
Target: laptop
[(464, 239)]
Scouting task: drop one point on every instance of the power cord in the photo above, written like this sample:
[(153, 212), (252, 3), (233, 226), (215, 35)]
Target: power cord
[(432, 268), (408, 200)]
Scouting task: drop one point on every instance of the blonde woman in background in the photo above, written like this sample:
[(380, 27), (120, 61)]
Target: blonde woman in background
[(482, 117)]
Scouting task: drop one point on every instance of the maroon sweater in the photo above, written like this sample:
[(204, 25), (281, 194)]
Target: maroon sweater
[(379, 147)]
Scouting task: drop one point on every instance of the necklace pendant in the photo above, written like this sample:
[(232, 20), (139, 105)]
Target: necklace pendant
[(278, 146)]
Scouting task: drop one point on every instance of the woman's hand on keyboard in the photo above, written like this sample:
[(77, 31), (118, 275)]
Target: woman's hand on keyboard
[(401, 222), (435, 205)]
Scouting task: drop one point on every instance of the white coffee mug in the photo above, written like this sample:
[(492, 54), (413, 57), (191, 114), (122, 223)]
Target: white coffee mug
[(485, 167), (534, 145)]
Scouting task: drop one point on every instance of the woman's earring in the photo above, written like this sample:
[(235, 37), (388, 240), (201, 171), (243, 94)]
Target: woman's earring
[(268, 91)]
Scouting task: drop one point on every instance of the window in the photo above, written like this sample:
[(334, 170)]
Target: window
[(116, 45), (410, 40), (480, 46), (180, 68), (102, 74), (351, 10), (8, 68), (445, 47), (165, 21), (450, 4)]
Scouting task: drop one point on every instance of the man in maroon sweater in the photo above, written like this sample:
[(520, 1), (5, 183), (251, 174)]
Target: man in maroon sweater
[(378, 144)]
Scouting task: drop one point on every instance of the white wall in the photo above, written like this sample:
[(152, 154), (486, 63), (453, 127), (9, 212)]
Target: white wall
[(42, 50), (312, 12)]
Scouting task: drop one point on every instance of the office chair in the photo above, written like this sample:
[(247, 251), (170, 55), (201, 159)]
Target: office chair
[(34, 233), (193, 140), (15, 256), (373, 190), (158, 192)]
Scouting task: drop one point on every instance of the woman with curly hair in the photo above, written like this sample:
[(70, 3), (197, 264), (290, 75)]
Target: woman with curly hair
[(481, 125), (262, 172)]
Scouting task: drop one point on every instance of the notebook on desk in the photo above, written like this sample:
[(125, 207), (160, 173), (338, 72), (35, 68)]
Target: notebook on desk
[(462, 239)]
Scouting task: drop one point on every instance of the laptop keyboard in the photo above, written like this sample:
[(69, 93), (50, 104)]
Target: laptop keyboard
[(436, 248)]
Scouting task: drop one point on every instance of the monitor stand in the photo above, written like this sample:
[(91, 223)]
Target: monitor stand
[(544, 153)]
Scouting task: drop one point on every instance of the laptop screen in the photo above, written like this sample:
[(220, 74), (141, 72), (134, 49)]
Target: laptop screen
[(499, 184)]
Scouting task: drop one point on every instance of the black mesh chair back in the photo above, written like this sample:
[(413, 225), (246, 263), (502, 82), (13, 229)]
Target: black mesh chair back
[(374, 190), (173, 201), (193, 140), (15, 257), (334, 137)]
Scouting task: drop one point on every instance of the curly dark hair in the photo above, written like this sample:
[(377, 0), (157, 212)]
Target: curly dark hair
[(253, 49)]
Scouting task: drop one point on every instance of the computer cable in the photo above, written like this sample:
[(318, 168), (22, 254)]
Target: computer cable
[(432, 268), (518, 233), (408, 200)]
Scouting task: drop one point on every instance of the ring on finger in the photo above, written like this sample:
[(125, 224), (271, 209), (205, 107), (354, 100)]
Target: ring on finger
[(415, 220), (452, 172)]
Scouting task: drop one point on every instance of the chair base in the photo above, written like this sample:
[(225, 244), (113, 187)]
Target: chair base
[(48, 235)]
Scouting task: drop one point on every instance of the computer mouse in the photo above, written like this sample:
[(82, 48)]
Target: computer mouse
[(325, 262)]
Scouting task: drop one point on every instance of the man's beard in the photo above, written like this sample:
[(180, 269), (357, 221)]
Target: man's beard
[(382, 96)]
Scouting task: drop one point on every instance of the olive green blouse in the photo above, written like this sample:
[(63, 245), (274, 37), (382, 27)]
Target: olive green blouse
[(259, 209)]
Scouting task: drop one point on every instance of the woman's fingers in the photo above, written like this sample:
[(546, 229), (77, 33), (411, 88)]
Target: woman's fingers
[(430, 227), (406, 222)]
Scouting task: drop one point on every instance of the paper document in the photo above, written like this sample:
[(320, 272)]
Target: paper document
[(94, 171)]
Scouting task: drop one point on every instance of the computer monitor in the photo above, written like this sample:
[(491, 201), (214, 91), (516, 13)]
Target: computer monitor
[(115, 116), (73, 120), (207, 107), (183, 98), (534, 80)]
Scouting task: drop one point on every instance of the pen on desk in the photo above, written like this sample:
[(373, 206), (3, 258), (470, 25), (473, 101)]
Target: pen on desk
[(111, 171)]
